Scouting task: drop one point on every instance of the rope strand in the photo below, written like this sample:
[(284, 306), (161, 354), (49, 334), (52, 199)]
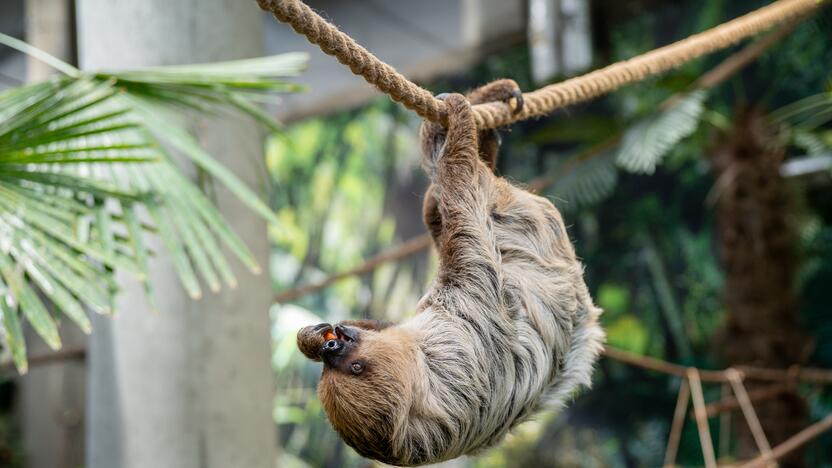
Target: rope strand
[(544, 100)]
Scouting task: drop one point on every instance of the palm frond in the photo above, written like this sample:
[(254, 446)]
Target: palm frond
[(645, 143), (87, 174), (587, 182), (807, 114), (811, 143)]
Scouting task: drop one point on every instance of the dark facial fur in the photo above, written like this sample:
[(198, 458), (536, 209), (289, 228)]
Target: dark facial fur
[(507, 327)]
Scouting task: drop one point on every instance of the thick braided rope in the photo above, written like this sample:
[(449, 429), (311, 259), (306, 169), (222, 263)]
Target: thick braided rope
[(334, 42), (545, 100)]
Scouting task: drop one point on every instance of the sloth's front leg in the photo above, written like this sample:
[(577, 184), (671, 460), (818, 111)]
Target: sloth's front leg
[(468, 254)]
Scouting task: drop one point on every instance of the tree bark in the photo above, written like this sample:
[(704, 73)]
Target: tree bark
[(191, 386), (757, 246)]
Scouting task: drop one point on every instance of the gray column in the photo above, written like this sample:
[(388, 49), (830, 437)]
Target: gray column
[(52, 399), (48, 27), (192, 385)]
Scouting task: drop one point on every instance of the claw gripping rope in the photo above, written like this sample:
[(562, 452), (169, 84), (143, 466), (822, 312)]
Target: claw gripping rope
[(544, 100)]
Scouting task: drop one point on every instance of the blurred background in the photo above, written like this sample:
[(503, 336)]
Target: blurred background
[(705, 225)]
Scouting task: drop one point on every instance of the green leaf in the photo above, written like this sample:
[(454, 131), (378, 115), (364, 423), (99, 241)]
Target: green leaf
[(586, 183), (31, 306), (614, 299), (14, 330), (50, 60), (177, 252), (811, 143), (645, 144), (247, 73), (212, 217), (59, 295), (34, 221), (204, 241), (193, 245), (82, 156), (807, 112), (80, 184), (628, 333), (134, 229), (181, 140)]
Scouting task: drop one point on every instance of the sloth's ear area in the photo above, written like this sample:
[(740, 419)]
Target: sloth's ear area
[(311, 339)]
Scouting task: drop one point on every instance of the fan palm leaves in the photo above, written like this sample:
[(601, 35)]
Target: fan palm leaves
[(648, 140), (88, 173), (644, 143)]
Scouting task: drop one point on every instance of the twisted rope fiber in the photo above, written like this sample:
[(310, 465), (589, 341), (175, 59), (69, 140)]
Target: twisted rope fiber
[(361, 61), (542, 101)]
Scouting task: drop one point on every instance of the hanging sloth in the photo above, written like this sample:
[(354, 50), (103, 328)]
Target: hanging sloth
[(507, 328)]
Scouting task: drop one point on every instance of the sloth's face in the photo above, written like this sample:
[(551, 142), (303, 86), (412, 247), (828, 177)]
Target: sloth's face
[(366, 385)]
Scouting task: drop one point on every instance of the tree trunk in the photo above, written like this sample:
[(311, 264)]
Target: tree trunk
[(757, 249), (191, 386)]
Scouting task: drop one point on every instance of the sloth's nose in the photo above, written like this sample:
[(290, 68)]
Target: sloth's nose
[(332, 351), (332, 346)]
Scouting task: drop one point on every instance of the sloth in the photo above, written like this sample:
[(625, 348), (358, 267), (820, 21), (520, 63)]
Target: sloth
[(506, 329)]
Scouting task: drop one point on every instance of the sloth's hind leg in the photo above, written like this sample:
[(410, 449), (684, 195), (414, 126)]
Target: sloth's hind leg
[(501, 90)]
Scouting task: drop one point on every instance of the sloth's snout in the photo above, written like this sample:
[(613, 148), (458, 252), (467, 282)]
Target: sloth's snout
[(333, 351), (332, 346), (338, 342)]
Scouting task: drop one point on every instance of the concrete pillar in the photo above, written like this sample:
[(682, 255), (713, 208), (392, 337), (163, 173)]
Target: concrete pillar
[(560, 38), (52, 396), (49, 26), (191, 386)]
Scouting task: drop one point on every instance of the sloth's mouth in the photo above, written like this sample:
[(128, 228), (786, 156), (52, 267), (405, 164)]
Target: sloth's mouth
[(338, 343), (339, 333)]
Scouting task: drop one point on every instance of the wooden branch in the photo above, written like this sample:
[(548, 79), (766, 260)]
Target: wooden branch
[(755, 396), (821, 376), (794, 442), (664, 367), (677, 425), (701, 418), (724, 447), (410, 247), (750, 415)]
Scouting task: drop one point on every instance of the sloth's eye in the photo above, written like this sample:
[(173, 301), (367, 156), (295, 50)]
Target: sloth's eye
[(357, 367)]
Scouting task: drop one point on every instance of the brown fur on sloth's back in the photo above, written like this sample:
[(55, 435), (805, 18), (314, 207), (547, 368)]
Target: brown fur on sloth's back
[(507, 327)]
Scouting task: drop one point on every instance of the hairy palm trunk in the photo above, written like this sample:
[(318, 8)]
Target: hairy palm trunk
[(757, 249)]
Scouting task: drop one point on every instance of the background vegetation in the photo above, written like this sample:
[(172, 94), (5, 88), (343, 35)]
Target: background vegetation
[(90, 167), (643, 217)]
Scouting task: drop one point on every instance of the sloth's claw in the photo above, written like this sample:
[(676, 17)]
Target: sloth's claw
[(517, 100)]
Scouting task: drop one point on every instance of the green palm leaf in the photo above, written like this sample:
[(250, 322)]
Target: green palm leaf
[(87, 174), (807, 114), (645, 144), (587, 182)]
